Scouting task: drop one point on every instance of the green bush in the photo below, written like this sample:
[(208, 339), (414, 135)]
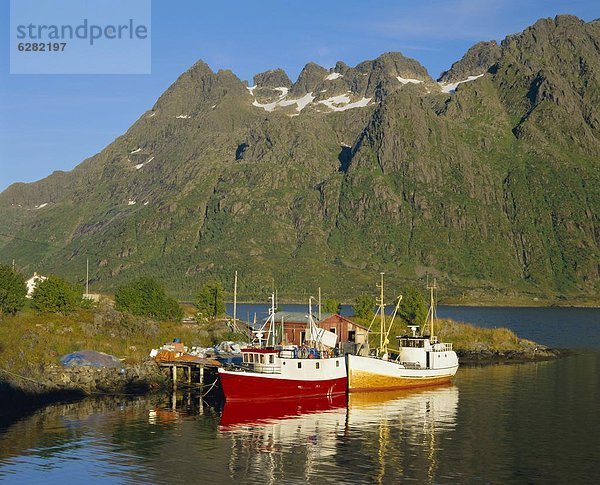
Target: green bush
[(331, 306), (210, 302), (146, 297), (364, 305), (55, 295), (13, 291), (413, 308)]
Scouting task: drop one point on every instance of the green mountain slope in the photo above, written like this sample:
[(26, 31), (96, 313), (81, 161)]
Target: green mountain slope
[(489, 182)]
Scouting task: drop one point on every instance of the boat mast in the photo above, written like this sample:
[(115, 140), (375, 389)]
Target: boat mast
[(432, 288), (272, 319), (382, 333)]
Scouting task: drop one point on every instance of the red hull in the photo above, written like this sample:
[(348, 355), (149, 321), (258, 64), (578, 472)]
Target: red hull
[(238, 413), (241, 386)]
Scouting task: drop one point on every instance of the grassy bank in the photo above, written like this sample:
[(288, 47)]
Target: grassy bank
[(469, 340), (30, 341)]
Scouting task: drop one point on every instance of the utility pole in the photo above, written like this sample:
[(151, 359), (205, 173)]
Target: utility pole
[(235, 300)]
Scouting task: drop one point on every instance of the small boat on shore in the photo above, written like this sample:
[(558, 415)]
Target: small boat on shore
[(419, 361), (270, 370)]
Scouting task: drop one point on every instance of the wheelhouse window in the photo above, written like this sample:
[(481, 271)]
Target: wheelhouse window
[(271, 359), (299, 365), (317, 365)]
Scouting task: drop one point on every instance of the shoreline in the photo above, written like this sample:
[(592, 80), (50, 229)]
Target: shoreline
[(73, 384), (20, 394), (469, 358)]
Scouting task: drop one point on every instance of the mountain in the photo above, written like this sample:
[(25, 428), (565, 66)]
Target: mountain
[(488, 179)]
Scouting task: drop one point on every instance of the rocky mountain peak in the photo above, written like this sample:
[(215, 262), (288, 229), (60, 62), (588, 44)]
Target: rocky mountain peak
[(477, 60), (311, 76), (273, 78)]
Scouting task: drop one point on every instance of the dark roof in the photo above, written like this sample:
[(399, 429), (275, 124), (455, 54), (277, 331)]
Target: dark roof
[(347, 319)]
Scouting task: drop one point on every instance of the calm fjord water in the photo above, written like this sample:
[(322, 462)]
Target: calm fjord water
[(524, 423)]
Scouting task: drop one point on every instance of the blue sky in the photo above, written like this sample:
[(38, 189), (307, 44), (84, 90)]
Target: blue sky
[(53, 122)]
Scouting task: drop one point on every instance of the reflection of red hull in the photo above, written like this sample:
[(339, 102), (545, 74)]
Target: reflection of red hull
[(237, 413), (240, 386)]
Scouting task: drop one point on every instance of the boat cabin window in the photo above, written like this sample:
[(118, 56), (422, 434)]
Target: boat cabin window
[(413, 343), (250, 357), (317, 365), (271, 359), (262, 359), (299, 365)]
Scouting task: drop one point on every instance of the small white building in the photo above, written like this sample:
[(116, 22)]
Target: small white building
[(32, 282)]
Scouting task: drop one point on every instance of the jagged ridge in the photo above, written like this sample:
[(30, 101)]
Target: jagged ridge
[(492, 185)]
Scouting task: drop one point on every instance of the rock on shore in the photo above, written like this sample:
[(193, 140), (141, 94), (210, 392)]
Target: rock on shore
[(64, 383), (487, 356)]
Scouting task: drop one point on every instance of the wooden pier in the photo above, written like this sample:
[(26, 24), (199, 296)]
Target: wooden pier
[(193, 373)]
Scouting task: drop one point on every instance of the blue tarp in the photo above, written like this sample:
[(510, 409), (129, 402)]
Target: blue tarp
[(90, 358)]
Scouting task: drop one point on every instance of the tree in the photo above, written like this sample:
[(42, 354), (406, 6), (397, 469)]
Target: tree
[(210, 303), (332, 306), (146, 297), (413, 308), (55, 295), (363, 306), (13, 290)]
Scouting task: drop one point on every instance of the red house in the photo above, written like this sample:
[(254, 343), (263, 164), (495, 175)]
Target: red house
[(295, 323)]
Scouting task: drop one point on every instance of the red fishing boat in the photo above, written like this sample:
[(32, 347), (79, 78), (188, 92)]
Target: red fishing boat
[(270, 370)]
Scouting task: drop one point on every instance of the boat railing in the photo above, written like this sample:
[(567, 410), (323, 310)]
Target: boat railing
[(262, 368), (308, 353), (442, 347)]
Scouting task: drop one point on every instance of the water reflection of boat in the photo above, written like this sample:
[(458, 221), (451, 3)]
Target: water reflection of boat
[(298, 439), (413, 405), (246, 413)]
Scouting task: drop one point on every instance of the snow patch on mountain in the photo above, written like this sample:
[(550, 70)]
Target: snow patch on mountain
[(332, 76), (451, 87), (342, 103), (408, 80)]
